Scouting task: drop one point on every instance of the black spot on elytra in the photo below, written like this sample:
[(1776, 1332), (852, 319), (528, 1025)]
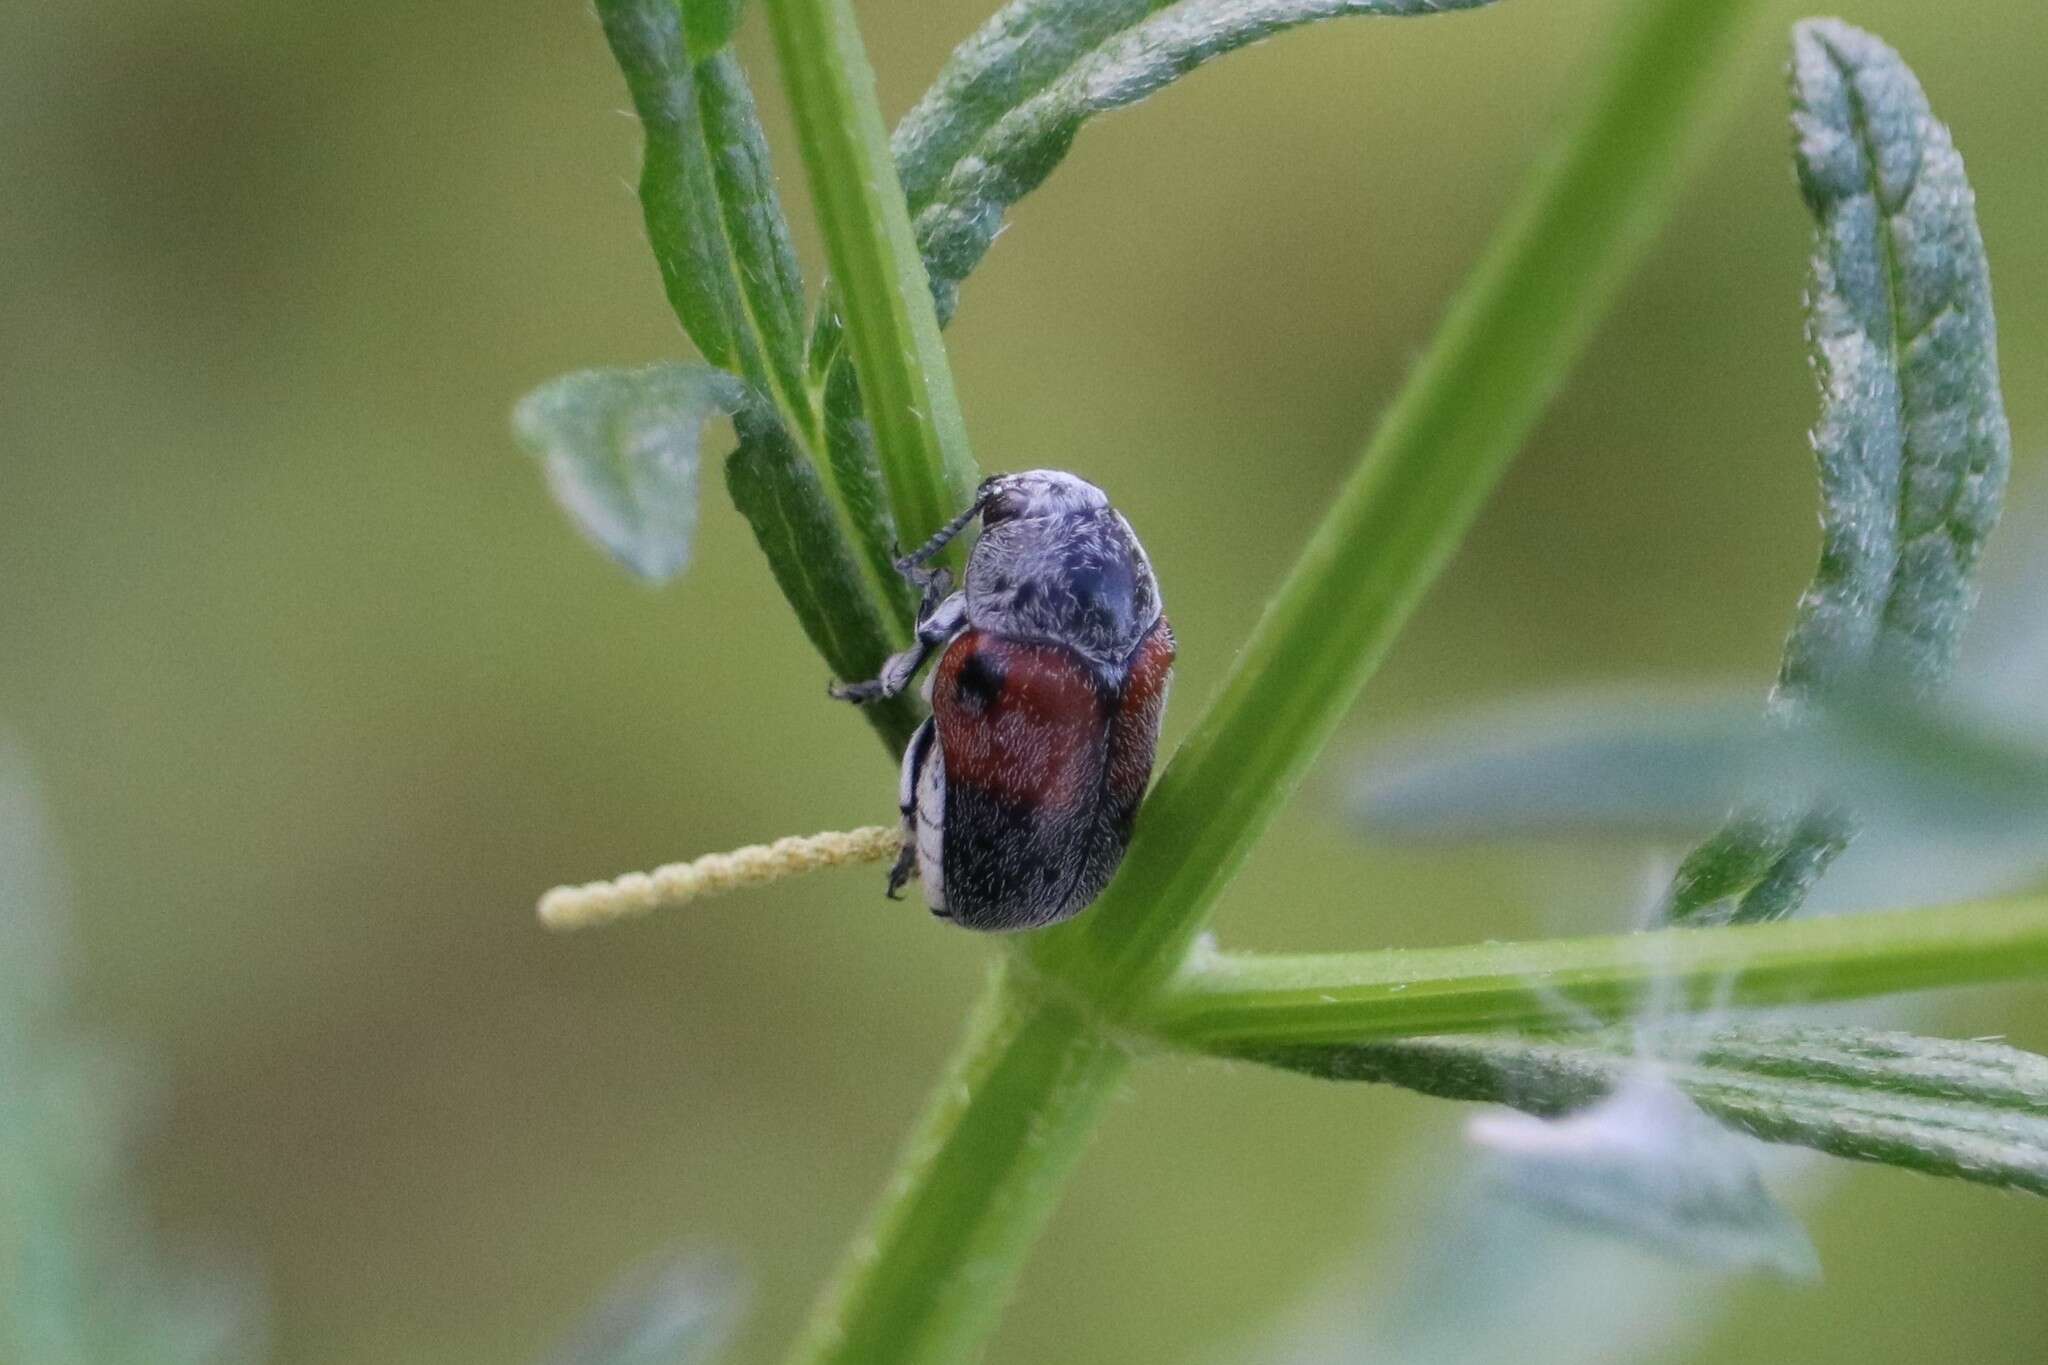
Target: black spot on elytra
[(980, 682), (1026, 594)]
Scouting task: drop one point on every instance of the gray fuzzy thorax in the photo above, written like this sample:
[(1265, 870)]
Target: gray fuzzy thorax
[(1079, 579)]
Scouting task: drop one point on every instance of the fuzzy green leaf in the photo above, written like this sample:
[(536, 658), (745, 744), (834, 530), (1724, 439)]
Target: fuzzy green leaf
[(1912, 441), (720, 239), (780, 494), (1975, 1111), (709, 200), (1008, 105), (619, 448)]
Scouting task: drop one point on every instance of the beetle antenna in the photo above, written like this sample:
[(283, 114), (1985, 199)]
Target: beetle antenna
[(640, 893), (945, 534)]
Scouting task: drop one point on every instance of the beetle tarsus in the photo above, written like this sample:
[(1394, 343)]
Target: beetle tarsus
[(905, 868), (860, 693)]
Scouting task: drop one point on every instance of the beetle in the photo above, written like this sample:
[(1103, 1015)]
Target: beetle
[(1020, 790)]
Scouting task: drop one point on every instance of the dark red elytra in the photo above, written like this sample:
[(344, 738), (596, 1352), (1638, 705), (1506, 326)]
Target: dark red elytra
[(1020, 793), (1025, 722)]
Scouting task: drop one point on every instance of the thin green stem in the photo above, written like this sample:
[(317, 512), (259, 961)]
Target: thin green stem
[(927, 1278), (1512, 333), (1230, 1003), (905, 381)]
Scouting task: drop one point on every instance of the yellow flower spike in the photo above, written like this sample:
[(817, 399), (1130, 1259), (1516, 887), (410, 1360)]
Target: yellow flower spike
[(640, 893)]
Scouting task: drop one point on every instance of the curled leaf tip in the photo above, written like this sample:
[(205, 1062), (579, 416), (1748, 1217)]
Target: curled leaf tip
[(619, 449), (677, 884)]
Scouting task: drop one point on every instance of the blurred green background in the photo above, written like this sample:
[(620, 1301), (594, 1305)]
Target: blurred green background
[(323, 691)]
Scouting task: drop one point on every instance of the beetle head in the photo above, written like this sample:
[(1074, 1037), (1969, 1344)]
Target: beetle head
[(1036, 493)]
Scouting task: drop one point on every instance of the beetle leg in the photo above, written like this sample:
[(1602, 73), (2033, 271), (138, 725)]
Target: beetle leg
[(915, 755), (937, 626), (903, 871), (934, 586)]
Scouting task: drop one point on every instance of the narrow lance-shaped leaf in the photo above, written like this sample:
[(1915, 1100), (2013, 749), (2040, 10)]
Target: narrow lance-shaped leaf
[(777, 490), (1974, 1111), (1912, 442), (852, 474), (619, 448), (709, 199), (1014, 154), (720, 239)]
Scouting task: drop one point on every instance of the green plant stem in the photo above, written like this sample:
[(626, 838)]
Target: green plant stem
[(907, 385), (1229, 1003), (906, 1294), (976, 1181), (1513, 331)]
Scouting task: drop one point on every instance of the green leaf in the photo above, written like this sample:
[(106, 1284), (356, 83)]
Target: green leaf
[(708, 196), (1009, 103), (779, 492), (708, 25), (856, 468), (1974, 1111), (1912, 441), (619, 448)]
